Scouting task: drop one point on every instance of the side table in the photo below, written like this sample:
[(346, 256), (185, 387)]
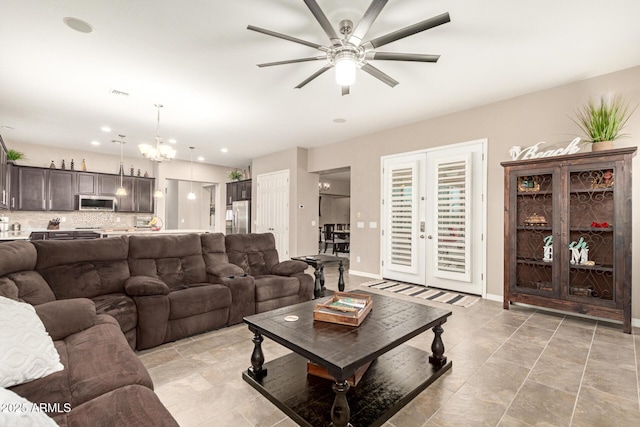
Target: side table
[(318, 262)]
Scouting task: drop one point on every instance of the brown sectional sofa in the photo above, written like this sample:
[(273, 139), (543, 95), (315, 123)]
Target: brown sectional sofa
[(101, 298)]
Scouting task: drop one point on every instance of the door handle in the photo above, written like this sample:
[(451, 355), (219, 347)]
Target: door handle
[(429, 237)]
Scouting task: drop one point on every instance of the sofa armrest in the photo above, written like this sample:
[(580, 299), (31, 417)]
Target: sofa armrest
[(138, 286), (289, 268), (62, 318), (224, 270)]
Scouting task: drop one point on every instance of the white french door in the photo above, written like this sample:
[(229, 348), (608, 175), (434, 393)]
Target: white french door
[(272, 208), (433, 217), (403, 215)]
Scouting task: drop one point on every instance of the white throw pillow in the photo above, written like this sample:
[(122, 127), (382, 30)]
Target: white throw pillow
[(26, 349), (16, 411)]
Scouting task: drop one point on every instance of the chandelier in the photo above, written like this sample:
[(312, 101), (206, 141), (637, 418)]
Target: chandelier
[(161, 152)]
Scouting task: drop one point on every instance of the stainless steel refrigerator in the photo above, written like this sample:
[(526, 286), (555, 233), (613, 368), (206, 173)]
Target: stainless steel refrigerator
[(241, 217)]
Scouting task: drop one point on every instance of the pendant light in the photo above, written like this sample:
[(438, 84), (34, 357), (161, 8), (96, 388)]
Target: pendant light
[(121, 191), (191, 195)]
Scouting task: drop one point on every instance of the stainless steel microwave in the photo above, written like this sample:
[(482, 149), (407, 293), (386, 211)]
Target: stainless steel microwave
[(96, 203)]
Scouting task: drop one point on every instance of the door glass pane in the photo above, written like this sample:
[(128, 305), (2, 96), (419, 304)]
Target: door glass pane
[(452, 224), (534, 242), (591, 248), (401, 217)]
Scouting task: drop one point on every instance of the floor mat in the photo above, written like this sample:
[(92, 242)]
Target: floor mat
[(423, 292)]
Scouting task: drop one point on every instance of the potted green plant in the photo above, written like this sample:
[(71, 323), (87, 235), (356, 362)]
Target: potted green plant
[(235, 175), (13, 155), (602, 121)]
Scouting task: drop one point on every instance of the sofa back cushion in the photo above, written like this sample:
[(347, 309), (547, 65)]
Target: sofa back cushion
[(254, 253), (213, 249), (174, 259), (84, 268), (18, 280)]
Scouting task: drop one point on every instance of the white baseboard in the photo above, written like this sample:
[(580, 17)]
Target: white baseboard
[(364, 274), (494, 297)]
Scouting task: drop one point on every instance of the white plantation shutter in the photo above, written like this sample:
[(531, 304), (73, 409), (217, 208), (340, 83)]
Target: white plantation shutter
[(401, 217), (453, 222)]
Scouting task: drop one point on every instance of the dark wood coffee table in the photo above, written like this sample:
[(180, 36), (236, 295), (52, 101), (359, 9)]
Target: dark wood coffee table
[(399, 371)]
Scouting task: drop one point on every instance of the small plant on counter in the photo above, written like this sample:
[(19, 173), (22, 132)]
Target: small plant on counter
[(13, 155), (235, 175)]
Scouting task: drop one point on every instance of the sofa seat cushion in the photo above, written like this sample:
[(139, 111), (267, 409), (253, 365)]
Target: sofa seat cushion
[(198, 299), (121, 307), (270, 287), (132, 405)]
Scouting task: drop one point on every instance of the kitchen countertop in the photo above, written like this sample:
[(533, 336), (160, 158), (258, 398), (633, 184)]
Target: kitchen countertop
[(103, 232)]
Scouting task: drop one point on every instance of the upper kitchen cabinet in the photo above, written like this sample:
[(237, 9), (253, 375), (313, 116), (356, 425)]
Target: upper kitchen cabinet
[(238, 190), (139, 196), (39, 189), (4, 177), (87, 183)]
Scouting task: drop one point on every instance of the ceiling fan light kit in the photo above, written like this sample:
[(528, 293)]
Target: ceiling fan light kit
[(349, 52)]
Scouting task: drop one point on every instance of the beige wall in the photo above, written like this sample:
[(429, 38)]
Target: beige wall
[(524, 121)]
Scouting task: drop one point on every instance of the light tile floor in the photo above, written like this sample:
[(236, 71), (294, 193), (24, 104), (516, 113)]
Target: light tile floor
[(517, 367)]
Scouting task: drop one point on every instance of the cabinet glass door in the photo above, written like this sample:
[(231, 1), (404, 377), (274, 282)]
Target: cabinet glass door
[(591, 250), (534, 244)]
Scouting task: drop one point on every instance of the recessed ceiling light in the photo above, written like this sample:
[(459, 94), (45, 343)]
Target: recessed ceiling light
[(78, 25), (339, 120), (106, 129), (95, 143), (171, 141), (200, 158), (224, 150)]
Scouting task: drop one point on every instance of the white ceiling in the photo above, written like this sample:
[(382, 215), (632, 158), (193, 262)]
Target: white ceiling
[(198, 59)]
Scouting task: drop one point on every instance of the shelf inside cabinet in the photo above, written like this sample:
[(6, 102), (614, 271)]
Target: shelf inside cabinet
[(597, 267), (530, 261), (534, 227)]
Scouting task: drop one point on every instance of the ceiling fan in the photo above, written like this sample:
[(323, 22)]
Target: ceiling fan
[(350, 51)]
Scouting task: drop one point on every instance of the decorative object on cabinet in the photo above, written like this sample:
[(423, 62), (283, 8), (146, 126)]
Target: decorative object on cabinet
[(602, 121), (84, 166), (52, 165), (121, 190), (528, 183), (535, 220), (73, 166), (63, 166), (518, 153), (146, 174), (235, 175), (580, 259), (14, 155), (602, 179), (161, 152)]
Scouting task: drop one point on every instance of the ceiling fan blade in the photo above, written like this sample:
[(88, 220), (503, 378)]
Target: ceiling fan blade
[(365, 23), (379, 74), (291, 61), (345, 90), (324, 22), (393, 56), (410, 30), (314, 75), (286, 37)]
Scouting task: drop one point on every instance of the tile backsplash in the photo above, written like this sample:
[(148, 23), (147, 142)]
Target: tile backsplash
[(31, 219)]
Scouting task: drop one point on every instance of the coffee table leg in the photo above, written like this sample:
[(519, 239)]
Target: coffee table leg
[(341, 277), (257, 357), (321, 268), (340, 412), (317, 285), (437, 347)]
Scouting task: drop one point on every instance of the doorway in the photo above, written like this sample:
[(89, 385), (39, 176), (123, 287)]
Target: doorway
[(334, 213), (434, 217), (186, 214)]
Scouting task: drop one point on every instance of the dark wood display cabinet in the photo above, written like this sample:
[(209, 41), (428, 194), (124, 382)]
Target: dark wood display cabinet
[(568, 233)]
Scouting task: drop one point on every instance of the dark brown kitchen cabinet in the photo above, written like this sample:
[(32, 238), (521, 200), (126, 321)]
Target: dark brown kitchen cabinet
[(4, 176), (238, 190), (39, 189), (87, 183), (139, 196), (568, 233), (108, 184)]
